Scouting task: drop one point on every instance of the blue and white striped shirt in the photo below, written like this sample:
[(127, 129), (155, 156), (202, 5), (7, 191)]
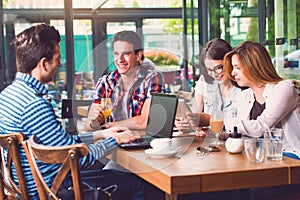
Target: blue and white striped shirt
[(23, 108)]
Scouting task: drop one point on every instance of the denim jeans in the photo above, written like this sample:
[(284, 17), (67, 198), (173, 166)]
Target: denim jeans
[(129, 186), (291, 155)]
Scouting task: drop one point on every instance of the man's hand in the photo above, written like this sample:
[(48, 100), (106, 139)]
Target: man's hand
[(126, 136), (97, 117), (121, 134)]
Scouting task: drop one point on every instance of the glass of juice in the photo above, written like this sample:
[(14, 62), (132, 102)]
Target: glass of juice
[(216, 123), (107, 108)]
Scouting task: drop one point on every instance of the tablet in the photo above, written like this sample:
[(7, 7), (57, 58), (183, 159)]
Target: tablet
[(182, 108)]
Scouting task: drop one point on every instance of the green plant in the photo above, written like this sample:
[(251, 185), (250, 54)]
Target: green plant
[(160, 57)]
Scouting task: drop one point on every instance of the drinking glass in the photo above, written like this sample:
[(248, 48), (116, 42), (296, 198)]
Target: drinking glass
[(107, 108), (273, 138), (254, 148), (216, 123)]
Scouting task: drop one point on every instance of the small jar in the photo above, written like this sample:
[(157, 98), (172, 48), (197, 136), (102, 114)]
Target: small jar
[(235, 143)]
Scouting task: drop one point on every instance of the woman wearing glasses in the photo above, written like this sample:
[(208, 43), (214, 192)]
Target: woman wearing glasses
[(214, 91)]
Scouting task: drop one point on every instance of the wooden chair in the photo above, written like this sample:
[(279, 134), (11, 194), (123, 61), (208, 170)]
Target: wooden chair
[(68, 156), (8, 189)]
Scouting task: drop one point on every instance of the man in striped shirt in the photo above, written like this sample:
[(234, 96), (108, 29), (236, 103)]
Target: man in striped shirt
[(24, 108), (130, 86)]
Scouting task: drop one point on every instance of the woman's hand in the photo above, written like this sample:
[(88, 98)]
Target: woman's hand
[(188, 122), (192, 121), (198, 119), (202, 132), (193, 118), (182, 124)]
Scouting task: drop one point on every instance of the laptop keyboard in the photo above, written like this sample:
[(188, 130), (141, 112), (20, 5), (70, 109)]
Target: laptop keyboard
[(139, 140), (139, 143), (144, 139)]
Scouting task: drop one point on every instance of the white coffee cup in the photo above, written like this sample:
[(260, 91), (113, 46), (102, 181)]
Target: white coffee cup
[(160, 144)]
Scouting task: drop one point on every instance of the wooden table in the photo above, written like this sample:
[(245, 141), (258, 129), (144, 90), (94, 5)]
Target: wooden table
[(189, 173)]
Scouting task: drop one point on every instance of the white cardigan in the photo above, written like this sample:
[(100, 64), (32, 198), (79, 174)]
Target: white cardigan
[(282, 105), (212, 98)]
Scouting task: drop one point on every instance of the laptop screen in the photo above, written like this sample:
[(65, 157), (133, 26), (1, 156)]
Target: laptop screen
[(161, 115)]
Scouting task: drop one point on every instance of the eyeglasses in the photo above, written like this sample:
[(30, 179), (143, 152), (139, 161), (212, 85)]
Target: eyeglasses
[(217, 69), (125, 53)]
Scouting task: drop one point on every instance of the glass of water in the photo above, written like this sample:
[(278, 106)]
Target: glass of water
[(273, 139)]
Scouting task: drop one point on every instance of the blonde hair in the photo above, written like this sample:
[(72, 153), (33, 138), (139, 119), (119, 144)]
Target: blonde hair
[(255, 63)]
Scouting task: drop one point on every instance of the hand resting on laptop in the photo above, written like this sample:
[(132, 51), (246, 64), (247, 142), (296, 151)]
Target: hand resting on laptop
[(121, 134)]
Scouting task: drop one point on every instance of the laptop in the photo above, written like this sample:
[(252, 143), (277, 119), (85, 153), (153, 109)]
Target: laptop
[(160, 121)]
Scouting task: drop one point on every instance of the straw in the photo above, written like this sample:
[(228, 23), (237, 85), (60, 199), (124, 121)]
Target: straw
[(105, 95)]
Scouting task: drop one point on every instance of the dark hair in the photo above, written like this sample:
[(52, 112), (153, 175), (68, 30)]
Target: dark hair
[(130, 37), (215, 49), (33, 44)]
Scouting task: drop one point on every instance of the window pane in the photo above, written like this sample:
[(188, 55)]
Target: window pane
[(125, 3), (239, 22), (33, 4), (283, 37)]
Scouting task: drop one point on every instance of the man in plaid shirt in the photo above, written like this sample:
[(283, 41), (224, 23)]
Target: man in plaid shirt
[(129, 87)]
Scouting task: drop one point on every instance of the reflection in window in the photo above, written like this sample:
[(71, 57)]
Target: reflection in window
[(94, 4), (33, 4)]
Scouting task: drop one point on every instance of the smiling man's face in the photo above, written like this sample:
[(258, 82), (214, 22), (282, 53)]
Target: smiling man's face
[(124, 56)]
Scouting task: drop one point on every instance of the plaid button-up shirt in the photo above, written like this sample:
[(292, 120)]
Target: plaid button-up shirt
[(147, 81)]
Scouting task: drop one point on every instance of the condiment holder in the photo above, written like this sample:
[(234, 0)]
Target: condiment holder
[(234, 143)]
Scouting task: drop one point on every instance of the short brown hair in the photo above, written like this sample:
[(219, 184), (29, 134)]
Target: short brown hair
[(33, 44), (130, 37)]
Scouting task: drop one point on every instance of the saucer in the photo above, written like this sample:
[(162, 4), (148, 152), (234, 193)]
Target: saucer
[(161, 154)]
